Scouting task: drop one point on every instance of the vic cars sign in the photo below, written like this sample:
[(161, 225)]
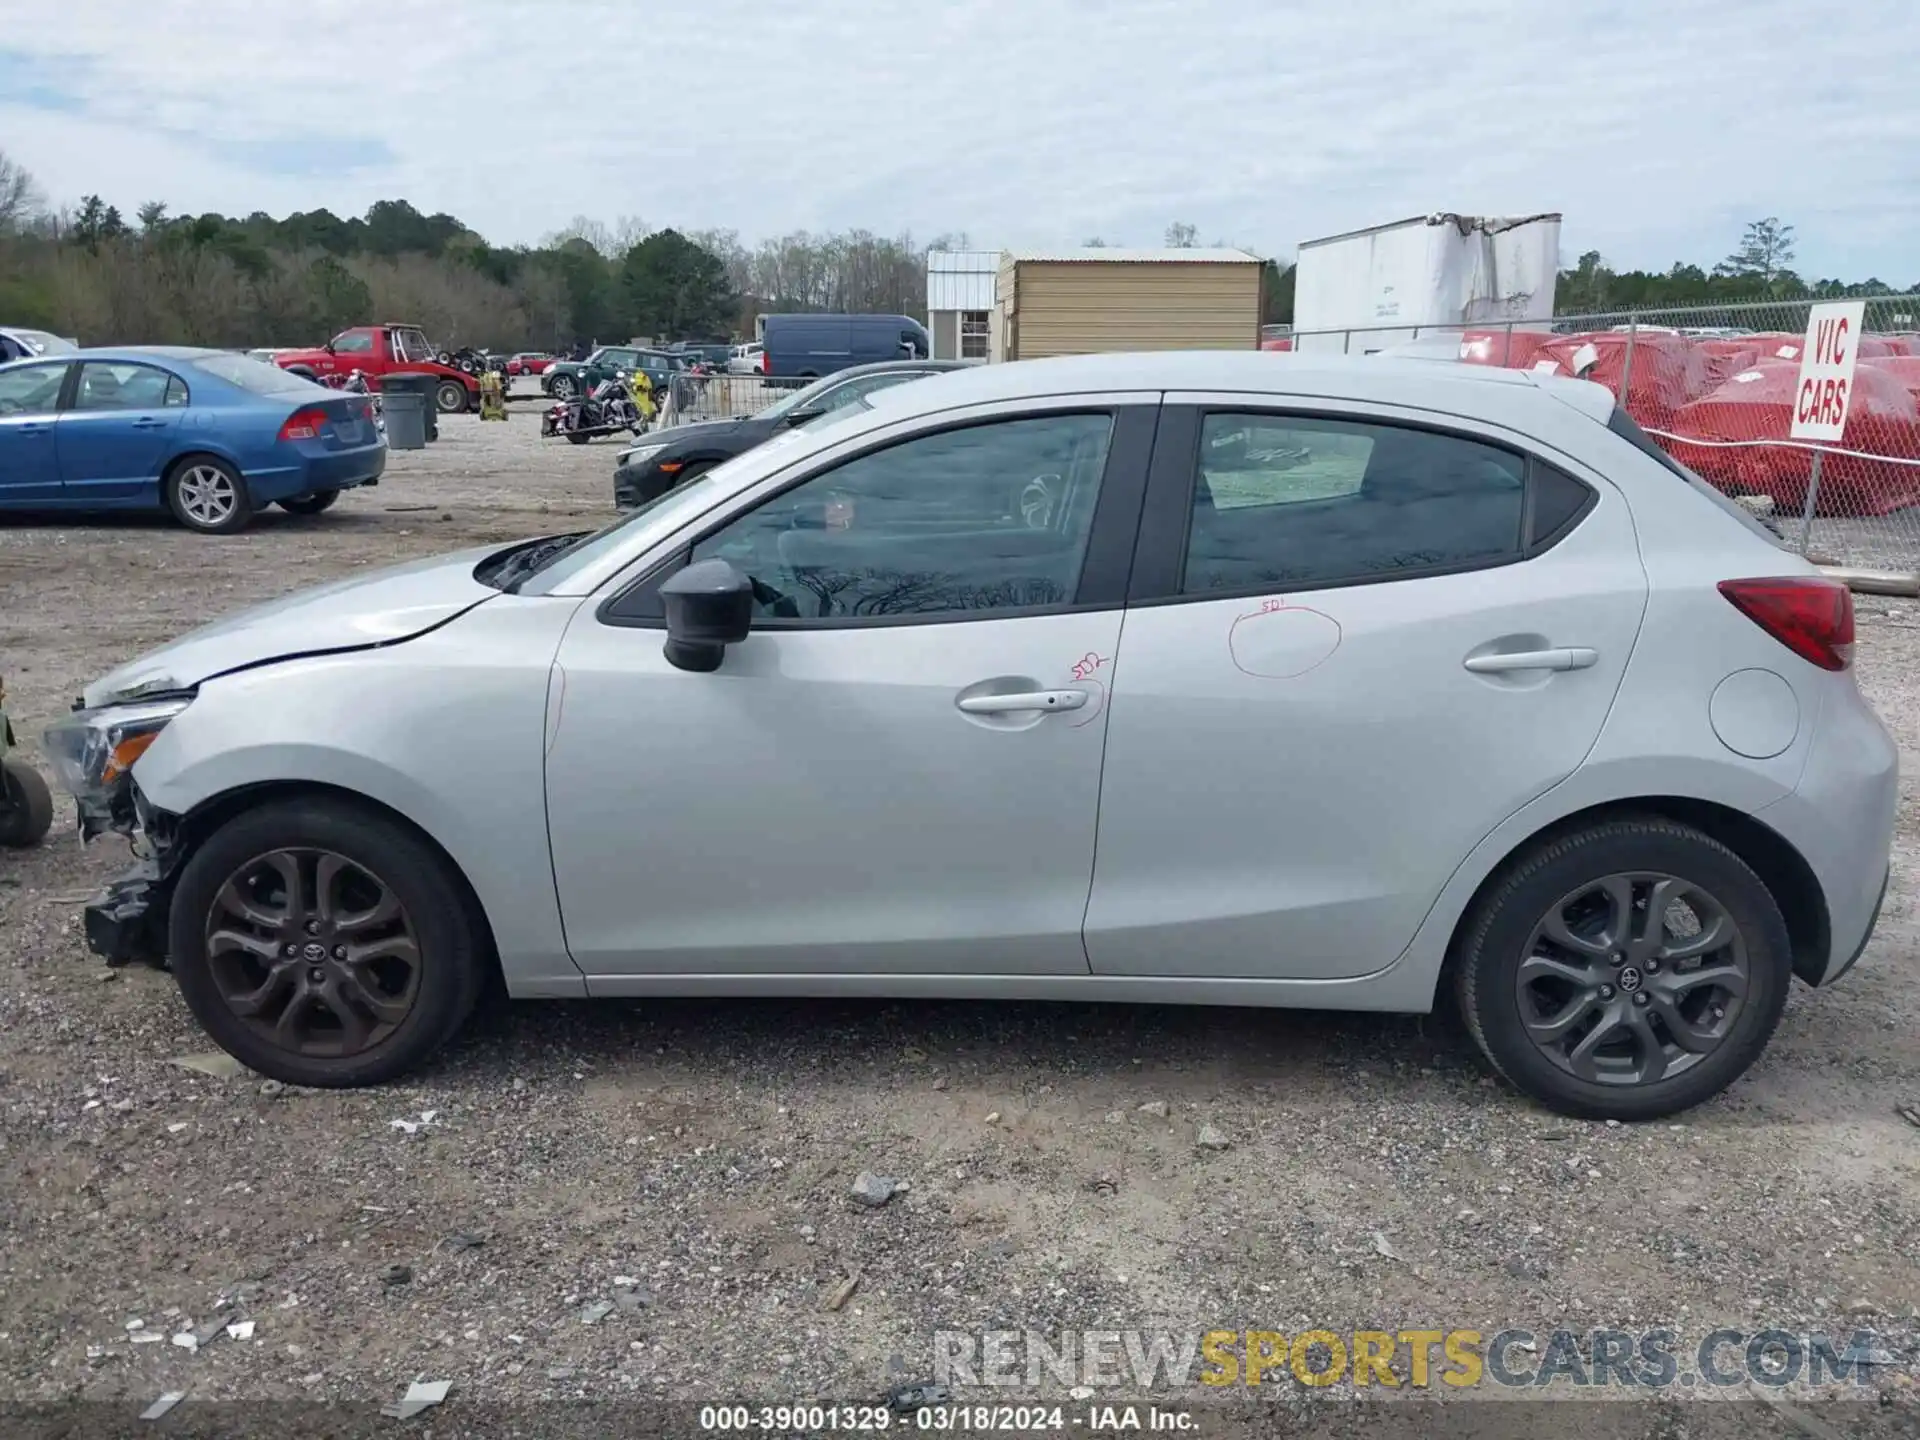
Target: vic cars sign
[(1821, 398)]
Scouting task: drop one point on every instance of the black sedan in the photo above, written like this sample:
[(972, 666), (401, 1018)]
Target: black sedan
[(666, 458)]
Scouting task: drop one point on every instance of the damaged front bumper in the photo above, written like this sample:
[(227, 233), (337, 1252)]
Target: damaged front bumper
[(127, 921)]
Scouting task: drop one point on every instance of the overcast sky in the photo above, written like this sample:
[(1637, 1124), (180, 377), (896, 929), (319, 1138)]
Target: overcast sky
[(1657, 129)]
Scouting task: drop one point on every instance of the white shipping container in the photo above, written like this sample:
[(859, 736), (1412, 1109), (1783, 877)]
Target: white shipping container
[(1432, 270)]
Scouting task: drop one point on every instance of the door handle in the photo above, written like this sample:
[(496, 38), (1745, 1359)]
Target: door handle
[(1576, 657), (1023, 700), (147, 422)]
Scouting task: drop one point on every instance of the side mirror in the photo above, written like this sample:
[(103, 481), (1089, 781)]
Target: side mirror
[(804, 414), (329, 347), (709, 606)]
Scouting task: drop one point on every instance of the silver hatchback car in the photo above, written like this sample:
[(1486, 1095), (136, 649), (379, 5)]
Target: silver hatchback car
[(1184, 678)]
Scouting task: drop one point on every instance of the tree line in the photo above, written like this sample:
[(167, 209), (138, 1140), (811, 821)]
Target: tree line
[(89, 271)]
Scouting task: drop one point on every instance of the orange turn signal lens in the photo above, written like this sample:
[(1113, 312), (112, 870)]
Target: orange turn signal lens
[(125, 753)]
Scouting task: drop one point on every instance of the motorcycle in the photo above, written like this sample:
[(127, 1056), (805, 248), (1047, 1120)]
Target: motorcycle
[(356, 383), (609, 408)]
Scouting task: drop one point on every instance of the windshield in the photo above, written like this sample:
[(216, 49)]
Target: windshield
[(256, 377), (797, 398), (41, 343), (557, 565)]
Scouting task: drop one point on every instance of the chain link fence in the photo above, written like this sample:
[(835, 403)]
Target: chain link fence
[(1715, 386), (692, 398)]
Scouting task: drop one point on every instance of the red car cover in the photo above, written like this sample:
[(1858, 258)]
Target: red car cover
[(1904, 368), (1722, 358), (1757, 404), (1667, 370), (1492, 347), (1779, 345)]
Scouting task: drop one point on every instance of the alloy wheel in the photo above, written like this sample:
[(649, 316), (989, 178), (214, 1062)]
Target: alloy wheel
[(313, 952), (207, 495), (1632, 979)]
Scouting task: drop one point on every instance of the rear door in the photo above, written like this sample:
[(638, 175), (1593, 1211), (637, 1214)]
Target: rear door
[(1355, 643), (118, 430), (29, 409)]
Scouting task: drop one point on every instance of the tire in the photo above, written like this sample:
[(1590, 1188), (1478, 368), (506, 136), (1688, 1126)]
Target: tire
[(310, 504), (208, 495), (692, 473), (578, 437), (562, 387), (303, 373), (450, 397), (26, 811), (1589, 868), (448, 970)]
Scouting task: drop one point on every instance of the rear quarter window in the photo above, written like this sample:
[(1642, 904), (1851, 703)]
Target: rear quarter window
[(253, 376), (1623, 425)]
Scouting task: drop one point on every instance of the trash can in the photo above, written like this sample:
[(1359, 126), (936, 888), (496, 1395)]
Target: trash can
[(406, 420), (423, 384)]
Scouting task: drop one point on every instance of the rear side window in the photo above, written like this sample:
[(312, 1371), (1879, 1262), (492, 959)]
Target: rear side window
[(1299, 501)]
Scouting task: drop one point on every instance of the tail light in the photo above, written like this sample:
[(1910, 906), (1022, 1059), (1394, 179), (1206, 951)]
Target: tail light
[(762, 362), (1809, 614), (303, 424)]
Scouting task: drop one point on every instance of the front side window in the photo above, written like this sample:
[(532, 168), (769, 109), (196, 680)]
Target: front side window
[(1296, 501), (30, 389), (985, 519), (354, 342), (117, 386)]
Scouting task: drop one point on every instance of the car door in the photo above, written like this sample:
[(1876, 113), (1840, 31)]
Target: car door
[(1356, 643), (898, 771), (351, 351), (118, 430), (29, 408)]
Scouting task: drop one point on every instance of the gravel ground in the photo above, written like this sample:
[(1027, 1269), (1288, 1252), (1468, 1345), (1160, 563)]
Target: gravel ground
[(699, 1156)]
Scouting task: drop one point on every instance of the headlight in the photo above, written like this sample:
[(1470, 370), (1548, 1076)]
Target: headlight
[(92, 750), (640, 454)]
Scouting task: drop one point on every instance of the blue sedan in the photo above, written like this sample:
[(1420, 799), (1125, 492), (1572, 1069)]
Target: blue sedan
[(208, 434)]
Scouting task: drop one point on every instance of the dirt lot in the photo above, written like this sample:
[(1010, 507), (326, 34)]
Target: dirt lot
[(1373, 1176)]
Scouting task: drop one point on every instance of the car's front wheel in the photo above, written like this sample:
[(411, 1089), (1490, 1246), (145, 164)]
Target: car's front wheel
[(1626, 971), (562, 387), (321, 943)]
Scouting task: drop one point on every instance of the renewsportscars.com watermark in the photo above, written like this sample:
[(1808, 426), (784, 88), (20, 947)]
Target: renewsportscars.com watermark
[(1458, 1359)]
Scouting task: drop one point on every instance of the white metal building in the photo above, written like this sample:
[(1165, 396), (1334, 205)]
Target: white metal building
[(960, 290)]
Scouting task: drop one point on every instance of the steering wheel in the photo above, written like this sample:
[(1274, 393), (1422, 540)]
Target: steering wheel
[(1038, 499)]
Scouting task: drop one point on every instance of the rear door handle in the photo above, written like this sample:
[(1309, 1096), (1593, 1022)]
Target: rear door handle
[(147, 422), (1023, 700), (1566, 658)]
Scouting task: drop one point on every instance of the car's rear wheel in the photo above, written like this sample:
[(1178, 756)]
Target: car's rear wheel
[(311, 504), (450, 396), (321, 943), (207, 494), (1626, 971)]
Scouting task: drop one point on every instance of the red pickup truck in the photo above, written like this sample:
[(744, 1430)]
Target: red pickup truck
[(375, 351)]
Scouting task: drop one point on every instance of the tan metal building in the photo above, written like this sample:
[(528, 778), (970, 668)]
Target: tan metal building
[(1099, 299)]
